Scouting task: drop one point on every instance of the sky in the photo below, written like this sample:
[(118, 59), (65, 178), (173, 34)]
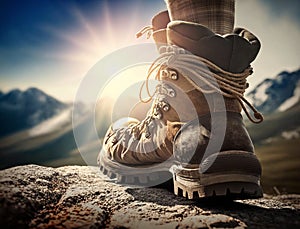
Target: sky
[(52, 44)]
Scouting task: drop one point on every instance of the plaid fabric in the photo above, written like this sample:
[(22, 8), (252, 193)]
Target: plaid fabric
[(217, 15)]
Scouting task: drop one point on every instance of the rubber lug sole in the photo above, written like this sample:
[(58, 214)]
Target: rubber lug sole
[(195, 189), (149, 179)]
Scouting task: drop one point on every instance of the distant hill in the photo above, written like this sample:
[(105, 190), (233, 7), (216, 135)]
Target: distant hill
[(277, 94), (277, 141), (283, 125), (24, 109)]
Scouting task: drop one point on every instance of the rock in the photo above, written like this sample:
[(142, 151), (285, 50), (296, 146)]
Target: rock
[(33, 196)]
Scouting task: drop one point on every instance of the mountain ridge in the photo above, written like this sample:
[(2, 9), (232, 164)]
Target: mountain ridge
[(24, 109), (271, 94)]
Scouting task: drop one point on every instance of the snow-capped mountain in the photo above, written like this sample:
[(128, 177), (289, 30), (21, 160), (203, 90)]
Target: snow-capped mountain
[(277, 94), (24, 109)]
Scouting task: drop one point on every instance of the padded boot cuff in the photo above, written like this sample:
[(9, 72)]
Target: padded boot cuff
[(232, 52)]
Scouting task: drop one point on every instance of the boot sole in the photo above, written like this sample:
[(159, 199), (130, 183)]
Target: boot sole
[(195, 189), (143, 179), (193, 185), (146, 175), (232, 175)]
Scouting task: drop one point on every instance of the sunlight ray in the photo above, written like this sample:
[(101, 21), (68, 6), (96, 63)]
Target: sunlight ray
[(74, 40), (92, 31), (110, 30)]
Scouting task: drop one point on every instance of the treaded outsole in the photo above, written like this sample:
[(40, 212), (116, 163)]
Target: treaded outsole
[(229, 190), (137, 179), (227, 183)]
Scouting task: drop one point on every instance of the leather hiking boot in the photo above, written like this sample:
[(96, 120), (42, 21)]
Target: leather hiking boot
[(139, 150), (222, 164)]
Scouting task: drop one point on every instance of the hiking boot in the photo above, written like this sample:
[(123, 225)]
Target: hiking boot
[(222, 163)]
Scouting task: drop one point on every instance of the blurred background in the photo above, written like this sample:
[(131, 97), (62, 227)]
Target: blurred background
[(48, 47)]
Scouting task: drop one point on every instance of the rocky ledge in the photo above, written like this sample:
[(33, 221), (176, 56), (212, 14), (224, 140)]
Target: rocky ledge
[(32, 196)]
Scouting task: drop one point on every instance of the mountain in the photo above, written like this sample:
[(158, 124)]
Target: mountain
[(278, 94), (72, 136), (66, 138), (24, 109), (52, 142)]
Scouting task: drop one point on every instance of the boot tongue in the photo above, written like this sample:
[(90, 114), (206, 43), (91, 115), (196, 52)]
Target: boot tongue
[(216, 15), (159, 24), (160, 20)]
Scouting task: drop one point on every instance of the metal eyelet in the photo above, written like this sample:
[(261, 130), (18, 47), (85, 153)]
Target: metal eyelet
[(173, 75), (164, 73), (172, 93), (166, 107)]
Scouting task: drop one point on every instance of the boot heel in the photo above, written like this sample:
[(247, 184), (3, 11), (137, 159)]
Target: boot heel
[(233, 186), (232, 174)]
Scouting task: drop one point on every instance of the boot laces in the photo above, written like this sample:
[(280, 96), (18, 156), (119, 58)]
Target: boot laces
[(162, 92), (159, 106), (212, 77), (148, 30)]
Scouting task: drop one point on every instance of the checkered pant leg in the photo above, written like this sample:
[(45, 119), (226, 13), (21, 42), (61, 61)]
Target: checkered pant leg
[(217, 15)]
